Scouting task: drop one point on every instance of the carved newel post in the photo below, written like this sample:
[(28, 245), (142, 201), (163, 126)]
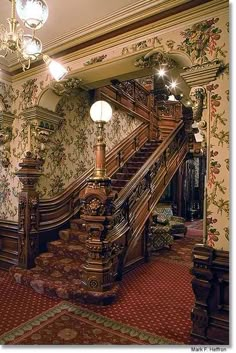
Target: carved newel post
[(28, 225), (97, 212)]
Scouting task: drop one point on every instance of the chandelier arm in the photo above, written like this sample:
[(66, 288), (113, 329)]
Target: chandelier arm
[(33, 33), (27, 47), (23, 64)]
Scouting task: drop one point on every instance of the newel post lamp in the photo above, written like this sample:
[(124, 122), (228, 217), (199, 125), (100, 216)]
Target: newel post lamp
[(101, 113)]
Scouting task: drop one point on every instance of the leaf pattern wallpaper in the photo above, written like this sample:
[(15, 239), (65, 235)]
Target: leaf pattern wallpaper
[(71, 148), (71, 152)]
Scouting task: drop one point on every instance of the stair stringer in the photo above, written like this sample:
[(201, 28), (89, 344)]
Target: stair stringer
[(140, 208)]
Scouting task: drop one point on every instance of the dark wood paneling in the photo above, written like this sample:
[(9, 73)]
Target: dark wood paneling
[(8, 244), (210, 314)]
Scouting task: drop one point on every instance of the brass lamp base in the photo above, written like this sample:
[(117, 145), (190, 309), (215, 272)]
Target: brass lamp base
[(100, 174)]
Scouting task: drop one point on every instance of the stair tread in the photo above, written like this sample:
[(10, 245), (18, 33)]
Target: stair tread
[(58, 260), (43, 283)]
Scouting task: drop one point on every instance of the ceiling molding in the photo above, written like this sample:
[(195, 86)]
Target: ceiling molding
[(161, 26), (123, 17)]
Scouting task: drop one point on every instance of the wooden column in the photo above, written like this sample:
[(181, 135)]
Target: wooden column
[(97, 212), (28, 224)]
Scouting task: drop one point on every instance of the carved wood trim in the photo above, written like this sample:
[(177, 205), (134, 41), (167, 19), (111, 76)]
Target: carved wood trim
[(135, 205), (128, 189), (56, 211), (131, 102), (210, 314)]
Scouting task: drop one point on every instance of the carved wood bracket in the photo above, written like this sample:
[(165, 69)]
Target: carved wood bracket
[(42, 123)]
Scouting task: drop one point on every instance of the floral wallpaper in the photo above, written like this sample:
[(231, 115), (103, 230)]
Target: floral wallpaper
[(70, 152), (71, 149), (207, 41)]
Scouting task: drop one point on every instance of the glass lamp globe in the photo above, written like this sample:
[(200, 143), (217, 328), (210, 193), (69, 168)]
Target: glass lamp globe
[(33, 13), (101, 111), (32, 47), (57, 70)]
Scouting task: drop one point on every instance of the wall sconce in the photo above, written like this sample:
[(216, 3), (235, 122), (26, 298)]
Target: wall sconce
[(6, 121), (101, 113)]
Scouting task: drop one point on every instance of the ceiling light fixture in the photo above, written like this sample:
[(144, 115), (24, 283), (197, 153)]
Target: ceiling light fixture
[(161, 72), (27, 47), (173, 84)]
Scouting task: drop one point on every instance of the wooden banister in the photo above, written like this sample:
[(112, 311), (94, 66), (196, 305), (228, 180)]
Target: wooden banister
[(57, 210), (137, 199), (143, 170)]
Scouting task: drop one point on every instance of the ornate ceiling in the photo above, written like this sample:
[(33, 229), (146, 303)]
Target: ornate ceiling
[(71, 22)]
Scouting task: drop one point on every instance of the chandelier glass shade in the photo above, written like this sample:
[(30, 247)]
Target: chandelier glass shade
[(27, 47), (33, 13), (32, 47)]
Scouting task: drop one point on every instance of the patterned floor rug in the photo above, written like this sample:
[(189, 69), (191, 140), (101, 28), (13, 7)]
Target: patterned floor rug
[(156, 297), (68, 324)]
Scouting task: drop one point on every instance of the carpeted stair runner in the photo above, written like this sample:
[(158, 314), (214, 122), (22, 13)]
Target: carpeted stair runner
[(58, 272), (130, 168)]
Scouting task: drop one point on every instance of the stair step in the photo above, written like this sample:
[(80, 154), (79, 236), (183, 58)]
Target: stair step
[(78, 224), (138, 158), (135, 164), (51, 286), (129, 170), (119, 183), (73, 235), (123, 176), (73, 249), (63, 266), (117, 188)]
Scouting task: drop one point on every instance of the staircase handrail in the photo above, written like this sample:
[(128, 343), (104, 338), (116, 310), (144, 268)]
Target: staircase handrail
[(133, 183), (67, 203)]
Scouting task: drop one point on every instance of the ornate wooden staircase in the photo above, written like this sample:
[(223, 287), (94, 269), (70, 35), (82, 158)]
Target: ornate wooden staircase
[(58, 271), (102, 225)]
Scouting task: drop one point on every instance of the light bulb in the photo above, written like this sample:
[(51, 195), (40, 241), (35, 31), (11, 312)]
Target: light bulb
[(161, 72), (173, 84), (32, 47), (57, 70)]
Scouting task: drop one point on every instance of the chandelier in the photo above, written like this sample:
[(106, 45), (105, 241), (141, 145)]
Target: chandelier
[(27, 47)]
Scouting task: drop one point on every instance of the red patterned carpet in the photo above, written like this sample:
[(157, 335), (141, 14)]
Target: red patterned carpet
[(156, 297), (69, 324), (18, 303)]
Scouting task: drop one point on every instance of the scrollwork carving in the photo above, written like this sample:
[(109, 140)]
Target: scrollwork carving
[(155, 58), (198, 96), (94, 207), (70, 86), (42, 123)]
